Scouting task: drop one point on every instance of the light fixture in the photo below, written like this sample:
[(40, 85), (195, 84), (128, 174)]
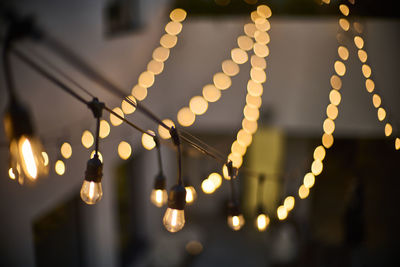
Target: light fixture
[(191, 194), (159, 196), (235, 217), (262, 220)]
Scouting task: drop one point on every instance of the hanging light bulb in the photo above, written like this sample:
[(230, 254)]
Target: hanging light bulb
[(262, 222), (26, 150), (91, 191), (235, 218), (191, 194), (159, 196), (174, 218)]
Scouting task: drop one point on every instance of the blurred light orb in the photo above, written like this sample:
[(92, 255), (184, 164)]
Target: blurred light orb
[(66, 150), (116, 121), (185, 117), (164, 133), (124, 150), (148, 140), (211, 93)]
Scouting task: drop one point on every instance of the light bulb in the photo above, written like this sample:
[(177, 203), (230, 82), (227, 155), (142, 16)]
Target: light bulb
[(262, 222), (191, 194), (236, 222), (91, 191), (159, 197), (174, 220)]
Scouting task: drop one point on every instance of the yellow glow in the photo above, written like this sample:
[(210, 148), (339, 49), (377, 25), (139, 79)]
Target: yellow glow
[(164, 133), (262, 222), (261, 37), (87, 139), (198, 105), (309, 180), (261, 50), (159, 197), (239, 56), (114, 119), (104, 129), (66, 150), (289, 203), (178, 15), (45, 158), (381, 114), (139, 92), (329, 126), (250, 29), (319, 153), (216, 179), (124, 150), (174, 220), (173, 27), (244, 138), (253, 101), (362, 55), (258, 75), (225, 172), (155, 67), (258, 62), (28, 158), (222, 81), (332, 111), (98, 154), (336, 82), (254, 16), (366, 70), (397, 144), (194, 247), (161, 54), (282, 213), (326, 1), (327, 140), (191, 194), (343, 52), (264, 11), (11, 174), (237, 160), (340, 68), (236, 222), (249, 126), (359, 42), (59, 167), (388, 129), (126, 107), (186, 117), (208, 186), (168, 40), (262, 24), (344, 9), (335, 97), (303, 192), (317, 167), (148, 141), (245, 43), (238, 149), (344, 24), (230, 68), (369, 85), (254, 88), (252, 114), (146, 79), (376, 100), (211, 93)]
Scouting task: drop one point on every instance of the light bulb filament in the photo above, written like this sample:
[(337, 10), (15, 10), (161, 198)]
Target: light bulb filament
[(28, 158), (91, 190)]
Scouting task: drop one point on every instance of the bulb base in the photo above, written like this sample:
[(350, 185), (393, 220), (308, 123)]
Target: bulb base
[(177, 197), (159, 182), (233, 209), (94, 170), (17, 121)]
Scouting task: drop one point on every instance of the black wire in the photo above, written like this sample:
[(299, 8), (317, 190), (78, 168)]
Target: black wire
[(97, 135), (7, 67)]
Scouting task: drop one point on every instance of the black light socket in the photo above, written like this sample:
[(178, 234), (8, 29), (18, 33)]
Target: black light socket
[(233, 209), (94, 170), (159, 182), (177, 197), (17, 121)]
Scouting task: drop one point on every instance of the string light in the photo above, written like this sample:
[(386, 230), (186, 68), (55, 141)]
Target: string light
[(262, 222), (289, 203), (104, 129), (148, 141), (164, 133), (282, 213), (59, 167), (115, 121), (208, 186), (124, 150), (87, 139)]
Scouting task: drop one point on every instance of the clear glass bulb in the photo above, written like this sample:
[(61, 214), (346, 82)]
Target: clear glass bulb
[(91, 192), (191, 194), (236, 222), (159, 197), (262, 222), (174, 220)]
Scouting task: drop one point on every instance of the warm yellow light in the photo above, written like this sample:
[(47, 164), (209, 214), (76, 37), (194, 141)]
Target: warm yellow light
[(239, 56), (173, 27), (343, 52), (253, 101), (262, 222), (258, 62), (264, 11), (146, 79), (114, 119), (340, 68), (222, 81), (148, 140), (230, 68), (191, 194), (139, 92), (327, 140), (319, 153), (45, 158), (174, 220), (250, 113), (258, 75), (11, 174), (289, 203), (326, 1), (262, 24), (59, 167), (236, 222), (225, 172), (155, 67), (91, 192), (168, 40), (245, 43), (329, 126), (198, 105), (98, 154), (186, 117), (397, 144), (359, 42), (161, 54), (344, 9), (216, 179), (66, 150), (254, 88), (104, 130), (254, 16), (335, 97), (388, 129), (124, 150), (317, 167), (362, 55), (164, 133), (381, 114), (332, 111), (282, 213), (126, 107), (249, 126), (208, 186), (309, 180), (261, 50), (238, 149), (336, 82), (244, 138), (178, 15), (344, 24), (366, 70), (29, 164), (369, 85), (159, 197), (250, 29), (236, 159), (303, 192), (261, 37), (211, 93), (87, 139), (376, 100)]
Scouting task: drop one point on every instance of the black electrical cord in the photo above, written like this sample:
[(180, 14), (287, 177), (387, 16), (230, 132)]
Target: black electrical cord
[(175, 138), (158, 147)]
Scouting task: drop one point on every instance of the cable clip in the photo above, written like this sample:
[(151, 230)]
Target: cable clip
[(175, 136), (96, 107)]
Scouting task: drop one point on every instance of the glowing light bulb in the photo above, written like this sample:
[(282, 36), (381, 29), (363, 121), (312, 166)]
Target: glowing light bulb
[(216, 179), (336, 82), (91, 192), (369, 85), (319, 153), (327, 140), (148, 141), (139, 92), (289, 203), (11, 174), (178, 15), (45, 158), (174, 220), (191, 195), (249, 29), (59, 167), (316, 167), (127, 107), (236, 222), (258, 62), (225, 172), (208, 186), (245, 43), (340, 68), (66, 150), (222, 81), (104, 129), (309, 180), (186, 117), (114, 119), (124, 150), (164, 133), (159, 197), (211, 93), (303, 192), (262, 222), (282, 213), (239, 56), (260, 50)]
